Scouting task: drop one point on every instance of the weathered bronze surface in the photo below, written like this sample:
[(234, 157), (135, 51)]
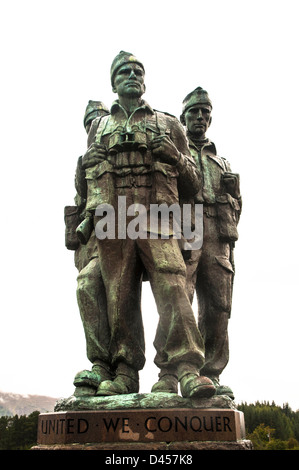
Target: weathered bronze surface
[(221, 199), (139, 401), (210, 270), (138, 158)]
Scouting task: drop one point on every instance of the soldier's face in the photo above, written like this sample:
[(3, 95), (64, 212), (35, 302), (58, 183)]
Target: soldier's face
[(129, 81), (198, 119)]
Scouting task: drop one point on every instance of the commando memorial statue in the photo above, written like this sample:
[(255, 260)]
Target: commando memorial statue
[(139, 156), (139, 160), (155, 203)]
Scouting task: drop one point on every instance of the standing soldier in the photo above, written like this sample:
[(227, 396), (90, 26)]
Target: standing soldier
[(221, 199), (210, 270), (142, 155), (91, 295)]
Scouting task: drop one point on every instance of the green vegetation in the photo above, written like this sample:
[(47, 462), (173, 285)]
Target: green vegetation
[(18, 432), (268, 426)]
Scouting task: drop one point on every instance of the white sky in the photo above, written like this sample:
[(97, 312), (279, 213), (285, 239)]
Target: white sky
[(55, 56)]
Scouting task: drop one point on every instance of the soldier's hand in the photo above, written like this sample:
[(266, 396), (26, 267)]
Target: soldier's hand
[(232, 184), (163, 147), (94, 155)]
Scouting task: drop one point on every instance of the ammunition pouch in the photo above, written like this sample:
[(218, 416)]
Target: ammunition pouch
[(228, 213), (71, 219), (234, 184)]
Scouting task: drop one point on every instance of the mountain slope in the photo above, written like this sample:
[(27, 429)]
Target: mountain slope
[(14, 404)]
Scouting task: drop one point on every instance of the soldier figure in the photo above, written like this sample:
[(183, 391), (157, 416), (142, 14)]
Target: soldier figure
[(210, 270), (220, 195), (142, 155), (91, 295)]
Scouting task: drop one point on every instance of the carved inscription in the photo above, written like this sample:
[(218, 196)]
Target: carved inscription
[(140, 425), (64, 426), (195, 424)]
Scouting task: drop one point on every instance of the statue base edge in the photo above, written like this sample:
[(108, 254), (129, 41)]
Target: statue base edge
[(141, 401), (241, 445)]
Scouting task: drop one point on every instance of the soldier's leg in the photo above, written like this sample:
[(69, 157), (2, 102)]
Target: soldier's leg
[(192, 265), (183, 345), (214, 287), (122, 273), (168, 380), (91, 299)]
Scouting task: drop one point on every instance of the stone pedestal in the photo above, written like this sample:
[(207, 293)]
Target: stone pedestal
[(155, 421)]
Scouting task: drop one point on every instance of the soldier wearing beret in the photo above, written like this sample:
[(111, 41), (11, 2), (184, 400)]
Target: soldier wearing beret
[(210, 270), (91, 295), (142, 154)]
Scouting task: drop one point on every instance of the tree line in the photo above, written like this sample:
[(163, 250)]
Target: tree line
[(18, 432), (268, 426), (271, 427)]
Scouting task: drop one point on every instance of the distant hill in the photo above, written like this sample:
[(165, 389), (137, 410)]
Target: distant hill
[(12, 404)]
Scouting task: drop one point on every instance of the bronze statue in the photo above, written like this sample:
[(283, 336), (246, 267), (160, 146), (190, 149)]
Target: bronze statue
[(140, 155), (221, 198), (91, 295), (210, 270)]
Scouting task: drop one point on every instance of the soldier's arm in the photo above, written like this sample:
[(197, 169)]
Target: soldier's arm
[(96, 152), (80, 181), (93, 130), (189, 177), (172, 148), (81, 188), (231, 182)]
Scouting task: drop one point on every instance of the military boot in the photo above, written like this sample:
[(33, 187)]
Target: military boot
[(87, 382), (193, 385), (126, 381), (222, 389), (167, 383)]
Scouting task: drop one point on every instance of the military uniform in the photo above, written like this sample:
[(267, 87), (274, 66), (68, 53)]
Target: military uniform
[(91, 295), (210, 270), (130, 170), (215, 269)]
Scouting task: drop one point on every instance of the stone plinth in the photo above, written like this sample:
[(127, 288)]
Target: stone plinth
[(140, 426), (142, 421)]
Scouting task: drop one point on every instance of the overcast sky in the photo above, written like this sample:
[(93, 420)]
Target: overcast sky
[(55, 56)]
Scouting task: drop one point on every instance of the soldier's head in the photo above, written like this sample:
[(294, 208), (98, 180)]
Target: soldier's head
[(93, 110), (127, 75), (196, 112)]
